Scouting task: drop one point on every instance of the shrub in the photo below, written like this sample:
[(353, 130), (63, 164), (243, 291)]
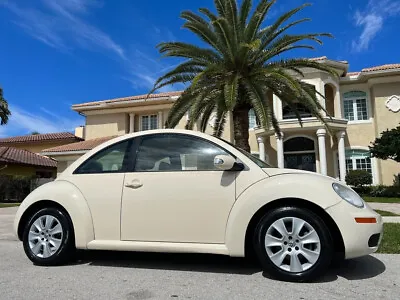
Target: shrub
[(358, 178), (385, 191)]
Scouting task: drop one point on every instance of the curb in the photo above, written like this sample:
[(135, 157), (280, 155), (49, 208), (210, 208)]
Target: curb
[(391, 219)]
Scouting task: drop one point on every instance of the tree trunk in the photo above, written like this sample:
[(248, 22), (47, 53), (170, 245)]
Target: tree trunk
[(241, 128)]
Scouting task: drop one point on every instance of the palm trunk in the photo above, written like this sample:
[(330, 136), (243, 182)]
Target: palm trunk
[(241, 128)]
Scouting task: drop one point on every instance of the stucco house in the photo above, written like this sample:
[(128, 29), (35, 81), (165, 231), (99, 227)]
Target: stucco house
[(20, 155), (361, 105)]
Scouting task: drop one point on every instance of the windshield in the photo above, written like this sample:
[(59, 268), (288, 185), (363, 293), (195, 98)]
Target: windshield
[(259, 162)]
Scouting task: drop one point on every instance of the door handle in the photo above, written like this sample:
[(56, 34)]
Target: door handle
[(134, 184)]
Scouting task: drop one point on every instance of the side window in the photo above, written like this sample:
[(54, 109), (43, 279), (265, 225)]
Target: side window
[(171, 152), (109, 160)]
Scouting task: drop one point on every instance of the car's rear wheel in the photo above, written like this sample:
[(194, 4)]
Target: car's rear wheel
[(48, 237), (293, 244)]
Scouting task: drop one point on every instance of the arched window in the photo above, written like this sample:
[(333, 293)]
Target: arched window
[(253, 121), (355, 106), (299, 153)]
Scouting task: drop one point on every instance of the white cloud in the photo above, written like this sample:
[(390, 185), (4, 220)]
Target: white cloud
[(372, 19), (60, 24), (23, 122)]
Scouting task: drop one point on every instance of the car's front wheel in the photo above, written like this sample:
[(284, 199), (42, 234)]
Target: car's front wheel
[(48, 237), (293, 244)]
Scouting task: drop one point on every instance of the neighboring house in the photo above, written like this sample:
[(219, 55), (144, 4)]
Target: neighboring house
[(15, 161), (37, 142), (361, 104), (20, 155)]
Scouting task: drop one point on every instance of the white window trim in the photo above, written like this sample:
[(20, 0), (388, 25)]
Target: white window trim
[(141, 119), (374, 164), (256, 126), (315, 151), (368, 102)]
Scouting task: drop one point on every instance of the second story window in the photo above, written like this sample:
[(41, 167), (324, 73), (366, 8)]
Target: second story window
[(149, 122), (252, 119), (355, 106), (288, 113)]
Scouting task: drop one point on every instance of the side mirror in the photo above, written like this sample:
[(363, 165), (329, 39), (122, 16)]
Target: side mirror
[(227, 163)]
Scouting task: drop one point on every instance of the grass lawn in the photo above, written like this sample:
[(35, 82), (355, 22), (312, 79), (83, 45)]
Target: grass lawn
[(381, 199), (385, 213), (391, 239), (8, 204)]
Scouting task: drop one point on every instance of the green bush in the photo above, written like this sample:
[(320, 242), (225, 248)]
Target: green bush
[(16, 188), (385, 191), (358, 178)]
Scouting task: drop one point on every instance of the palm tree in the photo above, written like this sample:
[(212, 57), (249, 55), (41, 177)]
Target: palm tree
[(240, 64), (4, 111)]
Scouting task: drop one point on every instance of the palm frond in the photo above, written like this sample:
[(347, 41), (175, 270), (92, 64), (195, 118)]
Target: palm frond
[(257, 18)]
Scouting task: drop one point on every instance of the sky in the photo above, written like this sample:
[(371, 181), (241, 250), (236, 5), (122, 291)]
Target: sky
[(56, 53)]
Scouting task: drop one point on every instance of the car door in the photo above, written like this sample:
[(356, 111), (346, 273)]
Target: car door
[(175, 193), (100, 179)]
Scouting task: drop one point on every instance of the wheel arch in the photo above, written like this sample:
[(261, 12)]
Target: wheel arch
[(297, 202), (66, 196), (35, 207)]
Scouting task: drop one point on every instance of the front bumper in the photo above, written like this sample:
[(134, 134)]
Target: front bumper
[(359, 239)]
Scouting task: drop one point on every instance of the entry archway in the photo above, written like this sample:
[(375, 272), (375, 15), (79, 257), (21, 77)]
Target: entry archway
[(300, 153)]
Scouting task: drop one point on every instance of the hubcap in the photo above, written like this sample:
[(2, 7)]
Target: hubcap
[(45, 236), (292, 244)]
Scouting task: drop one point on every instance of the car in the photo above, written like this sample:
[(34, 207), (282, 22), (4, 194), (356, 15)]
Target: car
[(185, 191)]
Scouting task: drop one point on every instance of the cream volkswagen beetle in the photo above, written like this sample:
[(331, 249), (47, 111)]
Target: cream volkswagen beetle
[(184, 191)]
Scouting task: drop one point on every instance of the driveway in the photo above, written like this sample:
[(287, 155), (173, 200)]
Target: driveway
[(6, 223), (122, 275)]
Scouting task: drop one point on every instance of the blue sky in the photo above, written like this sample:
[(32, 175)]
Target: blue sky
[(55, 53)]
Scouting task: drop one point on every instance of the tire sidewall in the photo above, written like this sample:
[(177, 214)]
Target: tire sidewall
[(65, 247), (316, 222)]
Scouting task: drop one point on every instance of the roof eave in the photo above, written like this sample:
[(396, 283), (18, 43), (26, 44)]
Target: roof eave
[(364, 75), (122, 103), (59, 153)]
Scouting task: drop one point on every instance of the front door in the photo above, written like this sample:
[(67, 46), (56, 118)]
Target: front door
[(100, 180), (302, 161), (175, 194)]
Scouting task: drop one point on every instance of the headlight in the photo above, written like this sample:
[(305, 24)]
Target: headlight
[(348, 194)]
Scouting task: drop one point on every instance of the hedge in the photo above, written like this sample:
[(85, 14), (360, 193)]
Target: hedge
[(16, 188), (379, 191)]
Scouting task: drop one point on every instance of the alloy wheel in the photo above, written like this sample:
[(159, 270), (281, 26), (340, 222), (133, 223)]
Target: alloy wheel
[(292, 244), (45, 236)]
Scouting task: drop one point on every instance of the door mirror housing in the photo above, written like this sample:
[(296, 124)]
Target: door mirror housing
[(227, 163)]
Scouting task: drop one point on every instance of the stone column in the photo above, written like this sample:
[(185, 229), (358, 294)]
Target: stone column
[(160, 120), (321, 133), (277, 103), (131, 122), (261, 147), (342, 155), (279, 150)]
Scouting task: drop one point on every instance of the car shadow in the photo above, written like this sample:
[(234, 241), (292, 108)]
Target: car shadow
[(354, 269)]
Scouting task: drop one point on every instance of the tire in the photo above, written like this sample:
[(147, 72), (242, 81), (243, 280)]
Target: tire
[(312, 246), (51, 248)]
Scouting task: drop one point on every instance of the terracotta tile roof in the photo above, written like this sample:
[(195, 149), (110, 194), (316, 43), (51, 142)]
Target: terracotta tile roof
[(376, 68), (11, 155), (79, 146), (130, 98), (381, 68), (40, 138)]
